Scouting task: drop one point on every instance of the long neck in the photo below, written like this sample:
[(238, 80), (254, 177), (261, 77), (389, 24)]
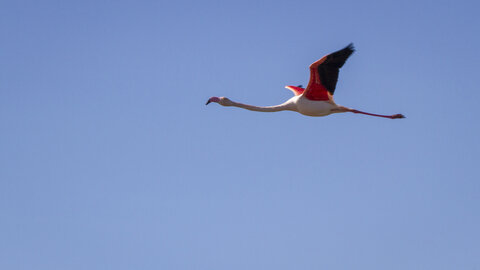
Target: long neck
[(282, 107)]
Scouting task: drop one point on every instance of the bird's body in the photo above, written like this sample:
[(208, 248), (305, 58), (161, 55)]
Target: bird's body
[(317, 98), (309, 107)]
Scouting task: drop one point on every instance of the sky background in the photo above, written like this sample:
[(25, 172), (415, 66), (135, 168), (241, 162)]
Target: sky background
[(109, 158)]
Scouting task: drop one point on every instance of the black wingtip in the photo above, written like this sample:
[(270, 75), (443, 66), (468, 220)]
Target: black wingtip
[(350, 47)]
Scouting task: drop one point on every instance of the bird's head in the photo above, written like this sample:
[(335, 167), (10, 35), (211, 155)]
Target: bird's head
[(220, 100)]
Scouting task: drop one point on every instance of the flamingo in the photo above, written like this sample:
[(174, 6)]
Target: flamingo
[(317, 98)]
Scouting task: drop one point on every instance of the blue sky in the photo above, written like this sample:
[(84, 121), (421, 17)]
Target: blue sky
[(110, 159)]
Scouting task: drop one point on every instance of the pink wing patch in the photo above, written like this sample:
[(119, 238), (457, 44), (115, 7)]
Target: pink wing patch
[(295, 89)]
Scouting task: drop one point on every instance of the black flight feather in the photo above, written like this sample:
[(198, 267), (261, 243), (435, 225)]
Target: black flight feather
[(328, 70)]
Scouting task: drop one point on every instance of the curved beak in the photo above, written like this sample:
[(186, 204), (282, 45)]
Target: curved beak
[(213, 99)]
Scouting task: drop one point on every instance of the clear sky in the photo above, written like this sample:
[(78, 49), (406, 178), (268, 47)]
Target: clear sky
[(109, 158)]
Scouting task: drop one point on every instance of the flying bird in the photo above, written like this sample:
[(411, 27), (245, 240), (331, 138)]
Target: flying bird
[(317, 98)]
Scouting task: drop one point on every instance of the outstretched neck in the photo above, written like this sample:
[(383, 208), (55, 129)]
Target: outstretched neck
[(287, 106)]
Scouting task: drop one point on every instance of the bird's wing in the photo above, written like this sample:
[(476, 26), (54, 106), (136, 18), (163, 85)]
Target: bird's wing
[(297, 90), (324, 74)]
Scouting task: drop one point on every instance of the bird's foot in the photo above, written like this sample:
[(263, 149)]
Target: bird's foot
[(398, 116)]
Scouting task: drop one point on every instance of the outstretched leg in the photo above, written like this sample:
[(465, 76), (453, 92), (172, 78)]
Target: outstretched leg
[(395, 116)]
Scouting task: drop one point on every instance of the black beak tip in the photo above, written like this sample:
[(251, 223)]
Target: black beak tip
[(208, 102)]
